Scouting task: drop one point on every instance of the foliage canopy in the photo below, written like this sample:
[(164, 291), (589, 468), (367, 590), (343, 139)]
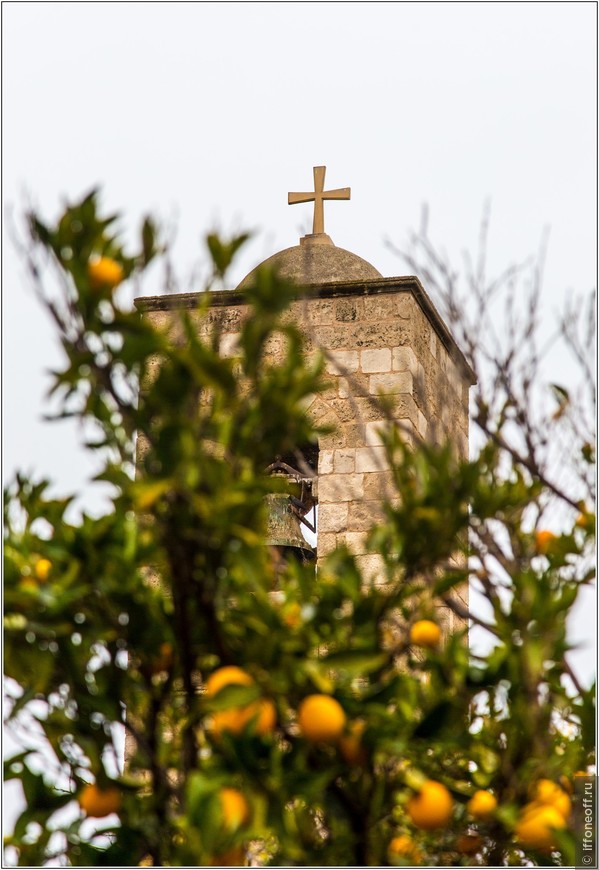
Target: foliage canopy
[(116, 623)]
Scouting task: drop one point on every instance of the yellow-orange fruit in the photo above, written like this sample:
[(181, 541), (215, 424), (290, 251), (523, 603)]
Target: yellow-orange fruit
[(402, 848), (468, 844), (235, 718), (42, 569), (104, 273), (585, 520), (99, 802), (351, 746), (292, 615), (321, 719), (234, 857), (537, 825), (543, 541), (431, 807), (234, 807), (267, 716), (548, 793), (426, 633), (482, 804), (164, 659), (227, 676)]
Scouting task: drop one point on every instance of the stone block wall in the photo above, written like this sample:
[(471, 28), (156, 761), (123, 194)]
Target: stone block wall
[(380, 337)]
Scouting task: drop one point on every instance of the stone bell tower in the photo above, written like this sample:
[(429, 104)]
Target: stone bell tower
[(380, 335)]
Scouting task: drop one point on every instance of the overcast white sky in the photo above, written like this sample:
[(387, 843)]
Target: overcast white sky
[(208, 114)]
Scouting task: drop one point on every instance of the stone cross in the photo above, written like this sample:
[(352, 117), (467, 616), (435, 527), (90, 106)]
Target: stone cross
[(317, 196)]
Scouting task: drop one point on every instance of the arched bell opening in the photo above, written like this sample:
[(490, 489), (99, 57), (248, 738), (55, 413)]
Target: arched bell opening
[(292, 514)]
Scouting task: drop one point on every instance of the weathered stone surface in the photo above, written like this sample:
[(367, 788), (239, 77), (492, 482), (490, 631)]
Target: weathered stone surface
[(393, 382), (341, 487), (433, 344), (371, 459), (349, 310), (325, 461), (378, 360), (345, 461), (321, 412), (313, 263), (327, 542), (354, 385), (332, 518), (383, 334), (358, 408), (340, 362), (404, 360), (372, 568), (229, 344), (373, 433), (324, 313), (354, 541), (383, 308), (377, 485), (363, 515), (377, 335), (333, 440)]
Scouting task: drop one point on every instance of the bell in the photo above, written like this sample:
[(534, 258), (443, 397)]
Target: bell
[(283, 527)]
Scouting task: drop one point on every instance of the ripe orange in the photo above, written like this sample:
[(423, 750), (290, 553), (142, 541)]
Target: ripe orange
[(164, 659), (104, 273), (227, 676), (585, 519), (425, 632), (42, 569), (292, 615), (234, 857), (536, 825), (234, 807), (236, 719), (543, 541), (548, 793), (468, 844), (482, 804), (267, 716), (431, 807), (350, 744), (99, 802), (402, 848), (321, 719), (233, 720)]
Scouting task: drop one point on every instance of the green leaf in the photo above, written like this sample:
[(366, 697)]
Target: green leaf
[(233, 696), (356, 662), (13, 767), (40, 796), (435, 720), (148, 238), (222, 253)]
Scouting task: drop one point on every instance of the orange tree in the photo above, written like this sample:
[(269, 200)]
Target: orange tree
[(329, 724)]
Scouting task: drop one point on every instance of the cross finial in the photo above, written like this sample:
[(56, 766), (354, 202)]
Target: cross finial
[(317, 196)]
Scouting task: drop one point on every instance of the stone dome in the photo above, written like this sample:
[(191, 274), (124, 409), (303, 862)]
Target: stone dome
[(316, 260)]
